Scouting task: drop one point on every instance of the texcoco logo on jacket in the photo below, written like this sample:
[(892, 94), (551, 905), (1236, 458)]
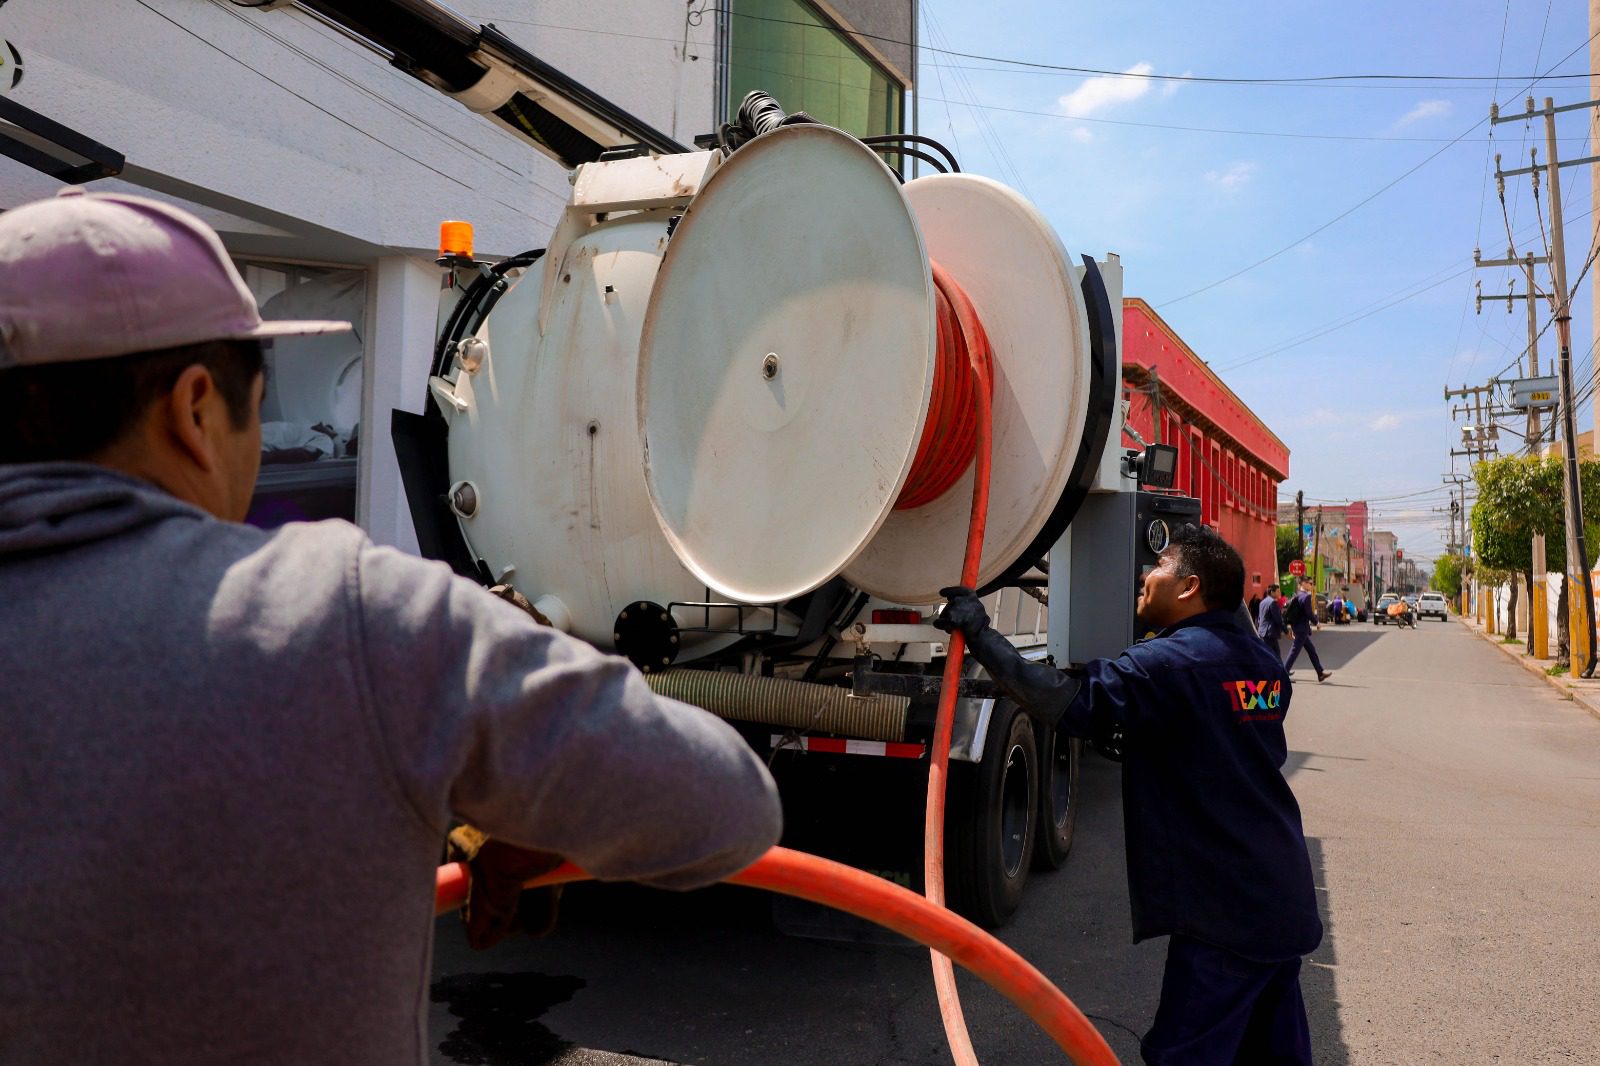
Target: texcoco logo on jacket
[(1255, 701)]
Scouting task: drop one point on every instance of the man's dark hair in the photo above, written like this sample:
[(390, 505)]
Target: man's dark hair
[(67, 411), (1204, 554)]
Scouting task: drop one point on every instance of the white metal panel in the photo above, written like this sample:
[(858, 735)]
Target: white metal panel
[(794, 310), (1011, 263)]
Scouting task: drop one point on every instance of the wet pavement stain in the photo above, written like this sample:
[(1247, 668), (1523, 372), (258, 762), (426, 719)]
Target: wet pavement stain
[(498, 1015)]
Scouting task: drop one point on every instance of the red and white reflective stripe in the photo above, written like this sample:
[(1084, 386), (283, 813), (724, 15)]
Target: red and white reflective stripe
[(840, 746)]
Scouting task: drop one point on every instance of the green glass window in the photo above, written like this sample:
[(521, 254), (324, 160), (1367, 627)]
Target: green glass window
[(787, 48)]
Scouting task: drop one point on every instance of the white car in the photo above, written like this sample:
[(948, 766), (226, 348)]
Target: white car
[(1433, 603)]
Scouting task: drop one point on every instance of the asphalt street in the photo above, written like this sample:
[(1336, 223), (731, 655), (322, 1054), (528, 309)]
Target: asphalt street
[(1452, 805)]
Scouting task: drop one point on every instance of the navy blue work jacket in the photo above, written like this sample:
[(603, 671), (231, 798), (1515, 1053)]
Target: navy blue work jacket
[(1214, 842), (1308, 614)]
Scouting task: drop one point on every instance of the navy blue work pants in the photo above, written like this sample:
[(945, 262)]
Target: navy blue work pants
[(1221, 1009), (1302, 639)]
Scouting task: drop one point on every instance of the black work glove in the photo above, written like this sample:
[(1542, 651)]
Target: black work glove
[(1041, 690), (962, 610), (497, 904)]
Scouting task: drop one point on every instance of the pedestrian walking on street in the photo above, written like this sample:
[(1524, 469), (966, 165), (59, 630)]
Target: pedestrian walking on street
[(1217, 858), (1301, 616), (1255, 605), (1270, 626), (231, 756)]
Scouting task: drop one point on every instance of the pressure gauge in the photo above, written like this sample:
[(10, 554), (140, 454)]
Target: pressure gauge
[(1157, 536)]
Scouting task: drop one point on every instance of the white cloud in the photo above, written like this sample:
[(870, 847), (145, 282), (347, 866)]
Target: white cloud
[(1168, 88), (1082, 135), (1107, 90), (1425, 110), (1383, 421), (1236, 174)]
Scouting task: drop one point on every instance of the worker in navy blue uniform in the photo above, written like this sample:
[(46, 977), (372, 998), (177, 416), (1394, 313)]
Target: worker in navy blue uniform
[(1216, 855), (1301, 615)]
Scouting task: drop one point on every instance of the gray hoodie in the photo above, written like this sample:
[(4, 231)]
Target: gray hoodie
[(228, 759)]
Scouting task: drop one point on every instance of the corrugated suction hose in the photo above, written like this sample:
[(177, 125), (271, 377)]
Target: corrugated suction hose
[(777, 701)]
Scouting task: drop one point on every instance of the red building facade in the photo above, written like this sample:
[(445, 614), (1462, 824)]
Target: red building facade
[(1227, 457)]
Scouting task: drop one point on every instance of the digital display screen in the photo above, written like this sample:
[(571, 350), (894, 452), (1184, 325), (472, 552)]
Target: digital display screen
[(1160, 466)]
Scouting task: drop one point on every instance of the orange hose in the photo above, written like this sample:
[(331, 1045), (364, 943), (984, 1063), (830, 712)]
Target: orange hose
[(976, 345), (950, 432), (794, 873)]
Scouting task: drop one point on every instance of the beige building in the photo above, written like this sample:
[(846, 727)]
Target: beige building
[(1336, 547)]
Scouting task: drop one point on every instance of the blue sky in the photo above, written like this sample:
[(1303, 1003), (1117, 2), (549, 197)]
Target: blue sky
[(1360, 406)]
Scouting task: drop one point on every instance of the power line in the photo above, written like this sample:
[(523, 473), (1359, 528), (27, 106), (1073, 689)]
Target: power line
[(1214, 129), (1353, 209), (991, 139), (1348, 321), (1350, 318), (445, 136), (1022, 66), (1180, 78)]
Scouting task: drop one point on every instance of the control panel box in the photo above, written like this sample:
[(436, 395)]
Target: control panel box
[(1115, 539)]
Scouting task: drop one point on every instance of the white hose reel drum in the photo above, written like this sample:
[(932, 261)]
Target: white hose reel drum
[(788, 357), (1011, 263), (786, 364)]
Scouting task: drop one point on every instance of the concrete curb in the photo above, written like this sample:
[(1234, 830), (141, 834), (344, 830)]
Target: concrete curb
[(1580, 693)]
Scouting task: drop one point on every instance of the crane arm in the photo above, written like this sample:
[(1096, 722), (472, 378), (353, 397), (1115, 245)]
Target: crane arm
[(492, 75)]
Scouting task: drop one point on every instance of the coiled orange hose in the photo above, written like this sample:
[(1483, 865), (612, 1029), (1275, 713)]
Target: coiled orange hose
[(794, 873), (950, 433)]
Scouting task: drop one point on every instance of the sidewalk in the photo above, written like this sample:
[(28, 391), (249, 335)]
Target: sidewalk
[(1584, 692)]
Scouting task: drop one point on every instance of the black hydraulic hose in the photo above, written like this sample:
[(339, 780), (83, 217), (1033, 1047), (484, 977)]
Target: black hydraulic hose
[(485, 290), (901, 150), (447, 335), (914, 138)]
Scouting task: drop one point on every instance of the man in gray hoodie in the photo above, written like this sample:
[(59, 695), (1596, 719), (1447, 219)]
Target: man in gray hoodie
[(230, 757)]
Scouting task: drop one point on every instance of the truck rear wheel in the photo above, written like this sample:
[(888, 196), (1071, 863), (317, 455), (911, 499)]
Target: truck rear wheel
[(1058, 798), (991, 817)]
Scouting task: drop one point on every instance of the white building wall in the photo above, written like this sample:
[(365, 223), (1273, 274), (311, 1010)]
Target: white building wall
[(296, 141)]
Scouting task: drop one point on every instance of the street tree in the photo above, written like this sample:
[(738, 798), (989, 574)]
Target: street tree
[(1518, 497), (1447, 576), (1288, 547)]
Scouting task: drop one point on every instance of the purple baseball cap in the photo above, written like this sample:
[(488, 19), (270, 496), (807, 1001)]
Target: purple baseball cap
[(90, 275)]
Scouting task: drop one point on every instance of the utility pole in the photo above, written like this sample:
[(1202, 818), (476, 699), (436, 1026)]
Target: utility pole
[(1577, 550), (1155, 403), (1594, 172), (1480, 436), (1316, 550), (1458, 513), (1300, 521), (1526, 262), (1580, 591), (1347, 545)]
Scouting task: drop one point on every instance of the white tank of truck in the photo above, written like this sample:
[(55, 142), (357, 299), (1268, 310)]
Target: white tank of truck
[(722, 424), (708, 395)]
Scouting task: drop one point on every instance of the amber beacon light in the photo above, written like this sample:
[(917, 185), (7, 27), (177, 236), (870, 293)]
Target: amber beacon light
[(455, 242)]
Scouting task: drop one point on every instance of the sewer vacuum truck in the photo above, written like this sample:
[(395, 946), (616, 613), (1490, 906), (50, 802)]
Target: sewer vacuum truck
[(726, 423)]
